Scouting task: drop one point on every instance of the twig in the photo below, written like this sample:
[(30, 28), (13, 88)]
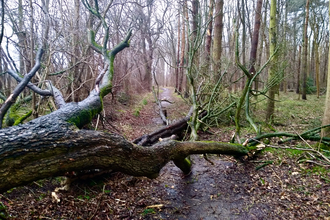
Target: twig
[(318, 152), (97, 121), (319, 164), (296, 148), (98, 205), (2, 196)]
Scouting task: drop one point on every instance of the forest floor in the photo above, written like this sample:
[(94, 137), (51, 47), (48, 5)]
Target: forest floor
[(272, 185)]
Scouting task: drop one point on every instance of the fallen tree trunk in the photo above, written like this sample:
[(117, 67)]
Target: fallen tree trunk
[(167, 131), (45, 148)]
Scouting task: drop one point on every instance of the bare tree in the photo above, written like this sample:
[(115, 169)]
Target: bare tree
[(217, 42), (305, 52)]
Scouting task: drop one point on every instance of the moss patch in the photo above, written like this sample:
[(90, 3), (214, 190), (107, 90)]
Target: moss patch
[(84, 117)]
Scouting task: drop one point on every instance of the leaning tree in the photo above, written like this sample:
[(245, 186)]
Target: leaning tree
[(55, 144)]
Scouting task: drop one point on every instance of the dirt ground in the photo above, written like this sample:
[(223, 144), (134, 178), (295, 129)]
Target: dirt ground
[(226, 189)]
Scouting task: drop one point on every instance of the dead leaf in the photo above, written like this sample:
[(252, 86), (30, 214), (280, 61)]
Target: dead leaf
[(55, 197)]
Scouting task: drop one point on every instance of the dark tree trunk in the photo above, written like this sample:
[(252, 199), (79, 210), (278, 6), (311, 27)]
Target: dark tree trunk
[(178, 56), (208, 40), (255, 37), (298, 72), (305, 52), (183, 50)]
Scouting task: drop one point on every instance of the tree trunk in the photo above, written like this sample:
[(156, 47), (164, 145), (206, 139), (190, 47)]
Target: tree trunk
[(316, 55), (305, 49), (195, 32), (183, 47), (209, 36), (241, 12), (298, 71), (21, 36), (272, 70), (326, 117), (255, 37), (217, 42), (317, 69), (285, 79), (178, 56)]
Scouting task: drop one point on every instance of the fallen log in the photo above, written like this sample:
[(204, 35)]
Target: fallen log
[(47, 148), (173, 129)]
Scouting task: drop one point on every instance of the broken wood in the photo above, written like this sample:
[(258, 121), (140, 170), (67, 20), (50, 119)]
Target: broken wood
[(175, 128)]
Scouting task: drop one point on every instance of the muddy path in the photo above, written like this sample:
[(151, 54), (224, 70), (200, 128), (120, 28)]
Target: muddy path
[(218, 191), (166, 98)]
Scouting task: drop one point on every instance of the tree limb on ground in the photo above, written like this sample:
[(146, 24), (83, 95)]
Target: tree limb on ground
[(49, 146)]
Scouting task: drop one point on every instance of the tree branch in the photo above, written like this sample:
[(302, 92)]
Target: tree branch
[(58, 97), (31, 86), (2, 20), (19, 88)]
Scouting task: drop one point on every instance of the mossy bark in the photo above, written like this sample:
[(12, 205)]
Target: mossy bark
[(272, 70)]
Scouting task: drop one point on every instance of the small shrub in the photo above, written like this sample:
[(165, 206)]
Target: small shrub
[(137, 112), (144, 102), (148, 211), (311, 88)]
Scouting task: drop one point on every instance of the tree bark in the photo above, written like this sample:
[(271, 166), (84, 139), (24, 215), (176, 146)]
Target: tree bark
[(183, 48), (272, 70), (217, 40), (255, 38), (304, 60), (178, 56), (298, 71), (208, 41), (172, 129), (326, 117)]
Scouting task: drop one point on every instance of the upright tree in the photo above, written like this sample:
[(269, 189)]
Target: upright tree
[(209, 35), (272, 70), (326, 117), (183, 46), (217, 39), (255, 37), (305, 54), (178, 54)]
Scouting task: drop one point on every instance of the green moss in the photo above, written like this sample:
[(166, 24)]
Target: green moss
[(105, 90), (184, 164), (291, 153), (17, 115), (320, 170), (148, 211), (84, 117), (22, 118), (136, 112), (92, 40)]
